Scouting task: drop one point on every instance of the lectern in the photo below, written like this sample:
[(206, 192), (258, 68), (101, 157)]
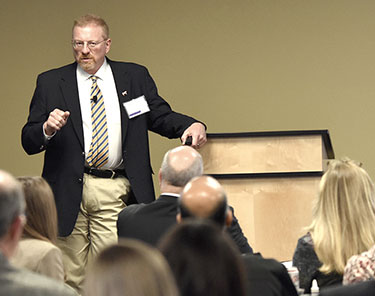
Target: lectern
[(271, 179)]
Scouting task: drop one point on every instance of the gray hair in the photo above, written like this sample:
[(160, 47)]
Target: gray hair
[(182, 177), (12, 201)]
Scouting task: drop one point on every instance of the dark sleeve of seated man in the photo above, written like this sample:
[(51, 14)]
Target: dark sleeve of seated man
[(237, 235)]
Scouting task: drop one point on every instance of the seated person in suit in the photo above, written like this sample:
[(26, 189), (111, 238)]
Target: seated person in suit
[(204, 260), (14, 281), (131, 268), (360, 268), (148, 222), (37, 250), (203, 197), (342, 226), (358, 289)]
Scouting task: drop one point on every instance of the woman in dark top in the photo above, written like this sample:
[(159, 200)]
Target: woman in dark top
[(342, 226)]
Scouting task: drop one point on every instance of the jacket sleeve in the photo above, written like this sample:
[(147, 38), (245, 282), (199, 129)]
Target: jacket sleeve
[(33, 139), (235, 231)]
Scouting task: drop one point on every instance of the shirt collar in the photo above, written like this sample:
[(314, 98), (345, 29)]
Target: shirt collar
[(101, 73), (171, 194)]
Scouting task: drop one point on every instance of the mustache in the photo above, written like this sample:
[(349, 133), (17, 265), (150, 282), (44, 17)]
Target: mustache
[(87, 56)]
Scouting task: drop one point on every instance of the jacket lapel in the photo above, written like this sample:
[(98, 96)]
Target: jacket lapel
[(122, 81), (69, 89)]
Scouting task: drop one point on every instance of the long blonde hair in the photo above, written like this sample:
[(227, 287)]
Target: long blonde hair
[(41, 211), (344, 215)]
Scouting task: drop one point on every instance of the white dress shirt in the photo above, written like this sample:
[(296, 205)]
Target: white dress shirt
[(107, 86)]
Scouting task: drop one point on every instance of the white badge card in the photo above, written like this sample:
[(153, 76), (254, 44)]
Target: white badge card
[(136, 107)]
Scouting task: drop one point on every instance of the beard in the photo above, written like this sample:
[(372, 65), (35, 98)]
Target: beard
[(87, 62)]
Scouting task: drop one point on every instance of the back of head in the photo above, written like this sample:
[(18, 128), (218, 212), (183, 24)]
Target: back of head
[(344, 215), (130, 268), (203, 197), (203, 259), (12, 203), (180, 165), (40, 209)]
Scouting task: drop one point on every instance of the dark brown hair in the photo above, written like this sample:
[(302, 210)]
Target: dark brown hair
[(204, 259)]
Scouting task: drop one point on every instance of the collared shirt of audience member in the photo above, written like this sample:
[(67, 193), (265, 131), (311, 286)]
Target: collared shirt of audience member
[(148, 222), (15, 281), (88, 200), (342, 226), (204, 198)]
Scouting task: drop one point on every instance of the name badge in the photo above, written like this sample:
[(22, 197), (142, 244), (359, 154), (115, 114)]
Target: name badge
[(136, 107)]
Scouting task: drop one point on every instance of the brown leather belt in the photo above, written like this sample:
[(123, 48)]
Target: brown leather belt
[(108, 174)]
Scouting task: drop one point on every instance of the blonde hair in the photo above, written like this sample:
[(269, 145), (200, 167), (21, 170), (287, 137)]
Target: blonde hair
[(344, 215), (91, 19), (130, 268), (40, 209)]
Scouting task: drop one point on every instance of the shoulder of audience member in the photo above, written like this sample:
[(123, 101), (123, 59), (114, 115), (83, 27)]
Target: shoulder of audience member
[(29, 283)]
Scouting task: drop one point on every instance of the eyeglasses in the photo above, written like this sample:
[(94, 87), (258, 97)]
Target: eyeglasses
[(78, 44)]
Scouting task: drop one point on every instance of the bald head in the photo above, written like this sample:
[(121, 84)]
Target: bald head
[(204, 197), (12, 202), (180, 165)]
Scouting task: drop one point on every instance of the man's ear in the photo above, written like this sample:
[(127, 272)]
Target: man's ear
[(159, 176), (16, 229), (13, 235), (178, 218), (228, 218)]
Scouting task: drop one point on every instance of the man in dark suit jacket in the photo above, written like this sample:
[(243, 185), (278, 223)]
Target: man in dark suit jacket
[(203, 197), (14, 281), (149, 222), (359, 289), (59, 123)]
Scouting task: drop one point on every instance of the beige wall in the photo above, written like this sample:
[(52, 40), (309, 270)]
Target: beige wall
[(238, 65)]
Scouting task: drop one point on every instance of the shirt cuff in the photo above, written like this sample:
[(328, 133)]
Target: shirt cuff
[(46, 137)]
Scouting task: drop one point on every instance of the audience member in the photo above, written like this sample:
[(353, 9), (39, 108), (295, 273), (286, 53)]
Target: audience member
[(37, 250), (360, 268), (204, 260), (203, 197), (148, 222), (14, 281), (130, 268), (342, 226), (358, 289)]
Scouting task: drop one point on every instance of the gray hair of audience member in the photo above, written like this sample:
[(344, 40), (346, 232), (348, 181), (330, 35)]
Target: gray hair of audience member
[(189, 162), (12, 201), (130, 268)]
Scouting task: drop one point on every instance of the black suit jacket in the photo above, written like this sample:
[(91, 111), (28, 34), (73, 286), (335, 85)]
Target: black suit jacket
[(267, 277), (359, 289), (149, 222), (64, 157)]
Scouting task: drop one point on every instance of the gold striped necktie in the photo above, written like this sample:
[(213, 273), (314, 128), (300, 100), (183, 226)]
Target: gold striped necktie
[(98, 153)]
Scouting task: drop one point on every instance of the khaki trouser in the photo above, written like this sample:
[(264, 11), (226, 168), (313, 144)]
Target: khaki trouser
[(96, 225)]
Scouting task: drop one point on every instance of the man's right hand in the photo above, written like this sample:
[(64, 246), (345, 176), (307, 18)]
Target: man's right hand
[(56, 120)]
